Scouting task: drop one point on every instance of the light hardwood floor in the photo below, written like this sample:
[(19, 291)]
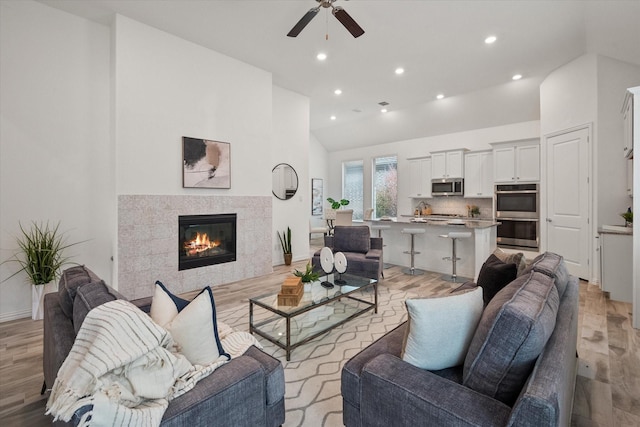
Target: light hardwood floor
[(607, 386)]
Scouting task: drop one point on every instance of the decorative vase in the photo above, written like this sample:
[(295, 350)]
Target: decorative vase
[(37, 298), (287, 259)]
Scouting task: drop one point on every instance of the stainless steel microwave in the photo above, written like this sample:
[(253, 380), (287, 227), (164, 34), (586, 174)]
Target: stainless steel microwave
[(447, 187)]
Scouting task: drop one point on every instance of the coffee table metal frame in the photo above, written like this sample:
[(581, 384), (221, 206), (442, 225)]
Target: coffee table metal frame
[(353, 284)]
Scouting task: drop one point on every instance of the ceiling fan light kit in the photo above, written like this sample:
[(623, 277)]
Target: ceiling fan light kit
[(341, 15)]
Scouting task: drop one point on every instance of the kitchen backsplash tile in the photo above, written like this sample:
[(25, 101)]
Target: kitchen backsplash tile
[(458, 205)]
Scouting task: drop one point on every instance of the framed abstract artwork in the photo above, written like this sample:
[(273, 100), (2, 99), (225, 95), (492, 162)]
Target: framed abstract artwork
[(205, 163), (316, 196)]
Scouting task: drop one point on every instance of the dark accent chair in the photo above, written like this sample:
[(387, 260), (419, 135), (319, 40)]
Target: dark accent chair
[(246, 391), (363, 252)]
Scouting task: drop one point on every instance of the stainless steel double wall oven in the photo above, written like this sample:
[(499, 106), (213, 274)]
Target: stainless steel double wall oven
[(518, 211)]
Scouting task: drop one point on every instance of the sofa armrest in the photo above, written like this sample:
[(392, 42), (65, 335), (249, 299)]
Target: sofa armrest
[(58, 337), (215, 400), (397, 393), (373, 254)]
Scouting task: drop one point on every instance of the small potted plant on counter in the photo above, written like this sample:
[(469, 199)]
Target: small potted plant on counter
[(628, 217), (285, 242)]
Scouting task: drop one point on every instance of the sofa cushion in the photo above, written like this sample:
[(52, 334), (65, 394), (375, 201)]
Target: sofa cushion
[(510, 258), (552, 265), (495, 275), (512, 332), (351, 239), (89, 296), (440, 329), (195, 330), (70, 280)]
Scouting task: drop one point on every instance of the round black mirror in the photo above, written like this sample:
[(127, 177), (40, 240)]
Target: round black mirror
[(285, 181)]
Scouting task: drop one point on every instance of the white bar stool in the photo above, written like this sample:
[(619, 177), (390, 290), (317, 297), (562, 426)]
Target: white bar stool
[(381, 227), (454, 235), (412, 270)]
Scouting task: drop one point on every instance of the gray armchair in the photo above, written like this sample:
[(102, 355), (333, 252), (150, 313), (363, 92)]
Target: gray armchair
[(363, 253)]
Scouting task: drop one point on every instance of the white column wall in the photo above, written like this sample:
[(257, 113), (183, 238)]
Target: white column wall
[(56, 159), (291, 145)]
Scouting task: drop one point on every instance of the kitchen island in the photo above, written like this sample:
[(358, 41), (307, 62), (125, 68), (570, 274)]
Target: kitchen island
[(472, 252)]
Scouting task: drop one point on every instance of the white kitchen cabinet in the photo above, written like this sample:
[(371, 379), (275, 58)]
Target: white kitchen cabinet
[(627, 119), (617, 265), (420, 177), (478, 174), (447, 164), (516, 161)]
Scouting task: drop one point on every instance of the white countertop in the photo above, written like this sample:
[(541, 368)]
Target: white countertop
[(615, 229), (437, 221)]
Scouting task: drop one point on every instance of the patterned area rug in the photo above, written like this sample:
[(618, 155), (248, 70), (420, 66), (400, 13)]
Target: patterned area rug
[(312, 375)]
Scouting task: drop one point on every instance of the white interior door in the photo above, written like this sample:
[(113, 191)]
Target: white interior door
[(568, 199)]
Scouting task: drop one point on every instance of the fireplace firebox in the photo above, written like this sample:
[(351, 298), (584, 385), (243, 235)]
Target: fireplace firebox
[(206, 240)]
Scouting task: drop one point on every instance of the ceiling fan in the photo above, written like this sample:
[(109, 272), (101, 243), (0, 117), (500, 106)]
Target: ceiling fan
[(340, 14)]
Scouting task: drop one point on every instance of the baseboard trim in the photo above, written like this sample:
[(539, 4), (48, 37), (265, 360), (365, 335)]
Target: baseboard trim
[(15, 315)]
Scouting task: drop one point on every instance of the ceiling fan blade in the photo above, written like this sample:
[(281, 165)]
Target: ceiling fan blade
[(348, 22), (303, 22)]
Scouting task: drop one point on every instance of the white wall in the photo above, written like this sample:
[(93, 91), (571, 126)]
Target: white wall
[(590, 90), (167, 88), (613, 78), (291, 145), (56, 159), (478, 139), (318, 168)]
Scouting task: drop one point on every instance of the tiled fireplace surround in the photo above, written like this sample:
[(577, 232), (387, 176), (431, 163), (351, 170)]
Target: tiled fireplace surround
[(148, 241)]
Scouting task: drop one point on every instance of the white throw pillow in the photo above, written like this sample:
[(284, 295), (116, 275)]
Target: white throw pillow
[(165, 305), (440, 329), (193, 326)]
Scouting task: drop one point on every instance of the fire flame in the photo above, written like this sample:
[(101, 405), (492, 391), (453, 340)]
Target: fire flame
[(200, 244)]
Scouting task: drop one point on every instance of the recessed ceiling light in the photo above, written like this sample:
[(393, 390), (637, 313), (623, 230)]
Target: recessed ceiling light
[(399, 70), (321, 56), (333, 117), (439, 96), (337, 91), (384, 110), (517, 76), (490, 39)]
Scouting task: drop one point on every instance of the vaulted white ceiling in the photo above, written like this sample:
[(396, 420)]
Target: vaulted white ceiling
[(440, 44)]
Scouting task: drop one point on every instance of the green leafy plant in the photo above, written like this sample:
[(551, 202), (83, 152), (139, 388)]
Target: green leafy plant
[(285, 241), (308, 275), (628, 216), (41, 253), (335, 204)]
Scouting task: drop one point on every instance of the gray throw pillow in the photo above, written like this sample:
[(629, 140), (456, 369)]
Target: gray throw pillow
[(553, 266), (512, 333), (89, 296), (70, 280), (352, 239)]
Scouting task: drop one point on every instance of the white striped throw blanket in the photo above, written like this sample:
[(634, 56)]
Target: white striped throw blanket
[(121, 363)]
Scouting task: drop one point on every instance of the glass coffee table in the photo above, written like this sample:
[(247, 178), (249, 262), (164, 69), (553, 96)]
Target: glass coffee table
[(320, 310)]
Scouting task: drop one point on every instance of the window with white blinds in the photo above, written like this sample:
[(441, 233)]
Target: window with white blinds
[(352, 186), (385, 186)]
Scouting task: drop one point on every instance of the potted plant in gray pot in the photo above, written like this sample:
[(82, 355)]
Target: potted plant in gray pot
[(41, 256), (285, 243)]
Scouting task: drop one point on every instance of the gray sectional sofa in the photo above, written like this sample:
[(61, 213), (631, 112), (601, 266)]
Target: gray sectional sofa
[(246, 391), (363, 253), (503, 382)]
